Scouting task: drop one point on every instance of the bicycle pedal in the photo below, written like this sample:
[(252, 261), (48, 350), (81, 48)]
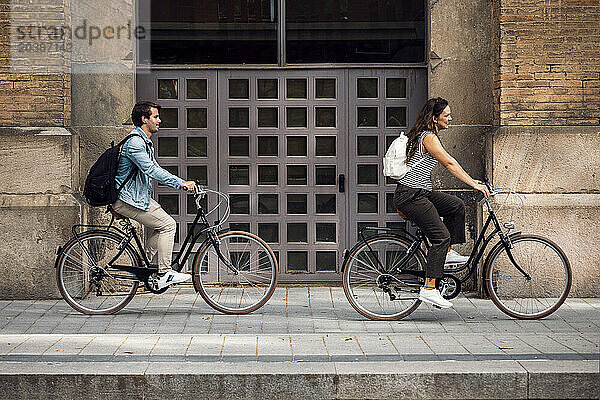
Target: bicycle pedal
[(153, 282)]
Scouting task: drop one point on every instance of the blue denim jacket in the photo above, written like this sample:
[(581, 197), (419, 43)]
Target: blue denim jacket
[(138, 152)]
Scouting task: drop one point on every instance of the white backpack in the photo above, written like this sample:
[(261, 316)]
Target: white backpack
[(394, 162)]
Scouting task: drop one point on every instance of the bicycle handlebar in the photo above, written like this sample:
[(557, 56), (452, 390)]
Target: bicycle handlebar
[(202, 191), (489, 186), (199, 190)]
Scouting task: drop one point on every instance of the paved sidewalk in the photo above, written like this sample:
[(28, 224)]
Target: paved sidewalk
[(303, 334)]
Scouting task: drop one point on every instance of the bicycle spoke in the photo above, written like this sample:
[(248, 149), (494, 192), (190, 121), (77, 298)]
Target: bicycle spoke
[(78, 261), (368, 266)]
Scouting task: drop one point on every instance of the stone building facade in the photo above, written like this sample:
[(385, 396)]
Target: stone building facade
[(521, 76), (546, 122)]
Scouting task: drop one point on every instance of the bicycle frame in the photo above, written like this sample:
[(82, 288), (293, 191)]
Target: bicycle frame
[(476, 254), (142, 273), (192, 238)]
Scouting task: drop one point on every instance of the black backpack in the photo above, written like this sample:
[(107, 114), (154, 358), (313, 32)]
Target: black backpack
[(100, 186)]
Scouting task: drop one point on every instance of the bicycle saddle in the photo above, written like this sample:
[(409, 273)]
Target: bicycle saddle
[(400, 213), (114, 213)]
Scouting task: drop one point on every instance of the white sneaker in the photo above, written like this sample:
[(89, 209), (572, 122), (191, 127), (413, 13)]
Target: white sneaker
[(454, 258), (433, 296), (172, 277)]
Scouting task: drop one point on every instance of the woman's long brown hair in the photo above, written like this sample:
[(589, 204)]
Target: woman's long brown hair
[(424, 122)]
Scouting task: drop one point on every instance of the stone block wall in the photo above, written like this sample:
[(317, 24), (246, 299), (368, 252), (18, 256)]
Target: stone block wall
[(461, 36), (555, 172), (547, 118), (39, 157), (38, 177), (35, 76), (547, 159), (571, 222), (548, 71), (523, 83), (102, 78)]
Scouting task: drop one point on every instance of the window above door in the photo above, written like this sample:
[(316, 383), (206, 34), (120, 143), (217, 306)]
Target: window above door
[(280, 32)]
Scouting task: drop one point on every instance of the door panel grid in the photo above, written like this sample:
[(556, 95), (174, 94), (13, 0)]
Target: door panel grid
[(295, 152), (279, 142), (382, 103)]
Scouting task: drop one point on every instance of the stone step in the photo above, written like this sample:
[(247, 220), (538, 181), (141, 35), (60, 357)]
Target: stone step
[(301, 380)]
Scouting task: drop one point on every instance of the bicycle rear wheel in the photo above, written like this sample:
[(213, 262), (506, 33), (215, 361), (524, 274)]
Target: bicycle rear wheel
[(85, 280), (371, 289), (541, 292), (239, 276)]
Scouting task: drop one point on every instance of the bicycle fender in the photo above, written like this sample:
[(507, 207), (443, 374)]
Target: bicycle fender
[(59, 250), (196, 288)]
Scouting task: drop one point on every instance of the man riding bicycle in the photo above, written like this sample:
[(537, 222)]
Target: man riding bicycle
[(135, 198)]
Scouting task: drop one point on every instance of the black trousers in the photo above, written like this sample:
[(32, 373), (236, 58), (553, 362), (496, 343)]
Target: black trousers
[(424, 208)]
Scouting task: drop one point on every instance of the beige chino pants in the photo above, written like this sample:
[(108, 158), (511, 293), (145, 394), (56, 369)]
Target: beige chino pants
[(162, 236)]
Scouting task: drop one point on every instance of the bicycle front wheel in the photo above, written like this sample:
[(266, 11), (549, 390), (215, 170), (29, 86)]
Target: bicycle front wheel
[(87, 281), (537, 292), (238, 276), (371, 285)]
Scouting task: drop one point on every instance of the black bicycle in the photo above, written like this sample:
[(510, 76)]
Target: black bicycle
[(98, 271), (526, 276)]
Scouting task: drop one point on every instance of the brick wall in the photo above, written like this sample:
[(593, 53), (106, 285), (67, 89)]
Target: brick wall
[(548, 62), (35, 85)]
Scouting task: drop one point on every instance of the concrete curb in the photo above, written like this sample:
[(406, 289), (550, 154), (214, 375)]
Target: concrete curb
[(329, 380)]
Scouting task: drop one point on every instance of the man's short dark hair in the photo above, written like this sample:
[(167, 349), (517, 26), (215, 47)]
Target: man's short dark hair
[(142, 109)]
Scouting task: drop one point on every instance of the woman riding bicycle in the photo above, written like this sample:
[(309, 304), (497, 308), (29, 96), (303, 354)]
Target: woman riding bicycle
[(423, 206)]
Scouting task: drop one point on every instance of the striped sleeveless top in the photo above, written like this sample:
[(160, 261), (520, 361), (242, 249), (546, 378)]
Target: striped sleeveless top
[(419, 176)]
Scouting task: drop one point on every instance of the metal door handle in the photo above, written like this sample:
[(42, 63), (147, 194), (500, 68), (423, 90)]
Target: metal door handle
[(342, 183)]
